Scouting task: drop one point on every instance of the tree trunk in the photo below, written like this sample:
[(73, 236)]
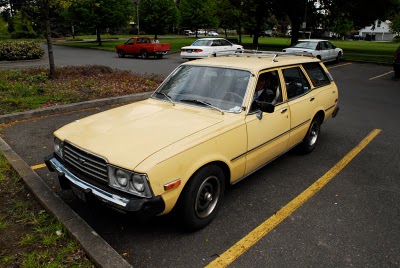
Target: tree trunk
[(295, 29), (52, 71), (98, 36)]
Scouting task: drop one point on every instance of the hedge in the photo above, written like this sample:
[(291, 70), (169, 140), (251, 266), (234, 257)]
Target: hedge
[(20, 50)]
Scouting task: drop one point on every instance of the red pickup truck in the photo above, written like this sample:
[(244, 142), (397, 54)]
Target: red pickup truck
[(144, 47)]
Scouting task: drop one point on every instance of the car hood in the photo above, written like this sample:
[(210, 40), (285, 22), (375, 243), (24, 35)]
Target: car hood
[(127, 135)]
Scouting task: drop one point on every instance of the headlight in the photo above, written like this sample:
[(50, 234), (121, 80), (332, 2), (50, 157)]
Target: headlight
[(122, 177), (138, 182), (59, 147), (129, 181)]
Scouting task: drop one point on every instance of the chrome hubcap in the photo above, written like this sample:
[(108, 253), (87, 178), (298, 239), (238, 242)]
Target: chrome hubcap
[(313, 133), (207, 197)]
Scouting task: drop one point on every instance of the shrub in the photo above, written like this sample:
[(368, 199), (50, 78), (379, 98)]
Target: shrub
[(20, 50)]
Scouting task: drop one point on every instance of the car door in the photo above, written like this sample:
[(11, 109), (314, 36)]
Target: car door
[(268, 133), (301, 101), (331, 49), (324, 51), (225, 45), (129, 46)]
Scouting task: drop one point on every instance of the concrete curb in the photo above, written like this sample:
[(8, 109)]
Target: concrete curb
[(98, 250), (4, 119)]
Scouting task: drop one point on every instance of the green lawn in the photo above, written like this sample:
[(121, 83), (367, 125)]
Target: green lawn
[(379, 52)]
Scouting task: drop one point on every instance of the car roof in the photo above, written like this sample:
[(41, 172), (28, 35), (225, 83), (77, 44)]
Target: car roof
[(312, 40), (251, 63), (211, 38)]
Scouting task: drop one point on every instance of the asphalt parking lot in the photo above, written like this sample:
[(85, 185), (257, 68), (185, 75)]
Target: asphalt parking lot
[(351, 219)]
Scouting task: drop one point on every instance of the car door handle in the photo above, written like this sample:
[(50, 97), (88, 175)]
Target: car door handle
[(312, 98), (283, 110)]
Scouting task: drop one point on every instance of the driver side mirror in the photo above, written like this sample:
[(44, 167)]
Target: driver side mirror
[(265, 107)]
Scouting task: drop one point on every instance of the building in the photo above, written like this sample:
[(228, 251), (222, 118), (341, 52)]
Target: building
[(379, 31)]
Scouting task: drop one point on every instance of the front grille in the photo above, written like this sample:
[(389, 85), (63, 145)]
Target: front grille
[(85, 163)]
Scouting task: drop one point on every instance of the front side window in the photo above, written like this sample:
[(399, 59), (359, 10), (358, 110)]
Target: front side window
[(268, 89), (295, 81), (222, 88), (130, 42), (316, 73)]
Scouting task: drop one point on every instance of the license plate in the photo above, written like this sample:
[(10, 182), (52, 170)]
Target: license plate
[(189, 51), (79, 193)]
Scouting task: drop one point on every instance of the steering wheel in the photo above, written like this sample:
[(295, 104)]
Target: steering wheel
[(235, 95)]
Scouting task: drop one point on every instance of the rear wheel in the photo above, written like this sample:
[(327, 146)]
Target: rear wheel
[(202, 197), (311, 138), (144, 54)]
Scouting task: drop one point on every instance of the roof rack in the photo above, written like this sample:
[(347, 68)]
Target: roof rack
[(260, 54)]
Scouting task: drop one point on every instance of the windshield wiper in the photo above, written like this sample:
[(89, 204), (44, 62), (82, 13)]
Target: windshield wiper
[(166, 96), (203, 103)]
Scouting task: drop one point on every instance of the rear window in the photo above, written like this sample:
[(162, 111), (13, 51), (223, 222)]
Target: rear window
[(316, 73)]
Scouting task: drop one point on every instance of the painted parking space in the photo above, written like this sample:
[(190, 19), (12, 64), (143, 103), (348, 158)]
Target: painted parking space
[(366, 186)]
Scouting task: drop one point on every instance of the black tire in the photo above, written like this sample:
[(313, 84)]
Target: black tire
[(159, 56), (310, 140), (121, 54), (338, 57), (201, 198), (144, 54), (397, 74)]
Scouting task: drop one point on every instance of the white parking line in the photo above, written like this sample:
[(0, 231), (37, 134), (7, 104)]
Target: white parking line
[(238, 249), (375, 77), (341, 65)]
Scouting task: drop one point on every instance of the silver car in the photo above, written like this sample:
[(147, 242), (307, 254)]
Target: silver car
[(322, 49)]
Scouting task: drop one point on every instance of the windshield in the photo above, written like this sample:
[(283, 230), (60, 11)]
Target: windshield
[(306, 44), (202, 43), (221, 88)]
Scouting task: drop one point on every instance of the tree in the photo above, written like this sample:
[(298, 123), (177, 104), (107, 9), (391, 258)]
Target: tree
[(342, 25), (195, 14), (358, 12), (99, 15), (395, 27), (156, 15), (23, 26)]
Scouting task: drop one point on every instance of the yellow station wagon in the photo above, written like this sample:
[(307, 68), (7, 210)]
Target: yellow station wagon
[(211, 123)]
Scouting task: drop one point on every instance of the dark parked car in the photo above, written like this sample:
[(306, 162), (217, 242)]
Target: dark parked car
[(396, 62)]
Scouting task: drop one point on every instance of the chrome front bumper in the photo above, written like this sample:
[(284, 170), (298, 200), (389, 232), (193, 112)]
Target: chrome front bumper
[(148, 205)]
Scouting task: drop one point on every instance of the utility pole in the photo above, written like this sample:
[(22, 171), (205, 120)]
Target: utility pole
[(137, 15)]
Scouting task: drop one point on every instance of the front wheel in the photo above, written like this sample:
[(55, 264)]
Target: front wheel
[(159, 56), (339, 57), (202, 197), (121, 53), (311, 138)]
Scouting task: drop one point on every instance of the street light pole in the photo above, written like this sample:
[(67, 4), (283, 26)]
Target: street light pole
[(137, 15)]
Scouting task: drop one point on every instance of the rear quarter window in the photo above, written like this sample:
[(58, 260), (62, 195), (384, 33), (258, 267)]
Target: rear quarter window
[(317, 74)]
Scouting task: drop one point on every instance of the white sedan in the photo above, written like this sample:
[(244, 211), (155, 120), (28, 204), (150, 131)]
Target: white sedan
[(206, 47), (212, 33), (322, 49)]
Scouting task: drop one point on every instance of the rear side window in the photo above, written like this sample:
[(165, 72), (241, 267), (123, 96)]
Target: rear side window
[(296, 82), (316, 73)]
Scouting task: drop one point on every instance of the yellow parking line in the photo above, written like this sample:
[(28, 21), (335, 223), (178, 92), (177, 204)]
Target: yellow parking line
[(38, 166), (262, 230), (341, 65), (372, 78)]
